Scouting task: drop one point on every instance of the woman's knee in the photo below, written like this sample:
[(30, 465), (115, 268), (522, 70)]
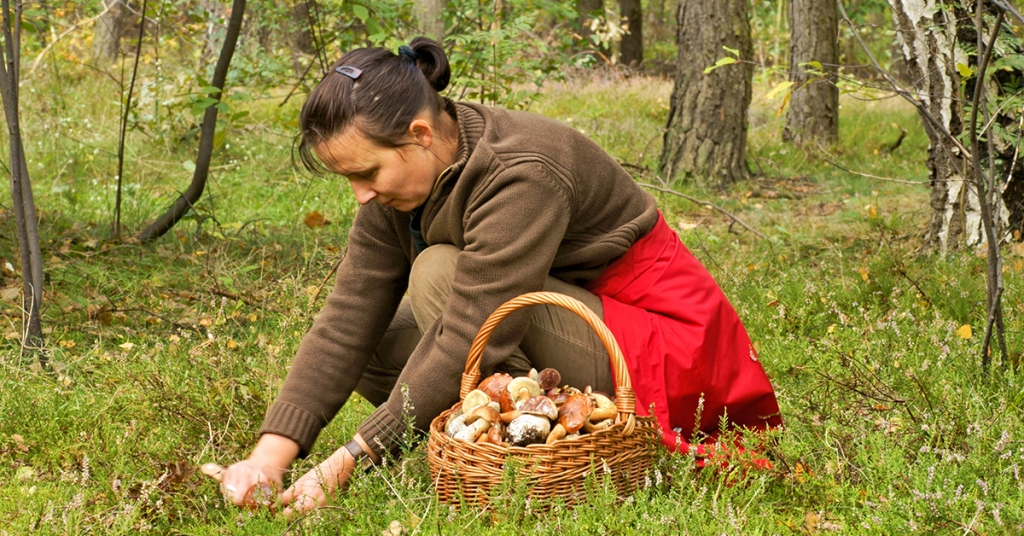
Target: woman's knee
[(430, 282)]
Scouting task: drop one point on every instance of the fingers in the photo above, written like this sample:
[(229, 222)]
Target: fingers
[(305, 495)]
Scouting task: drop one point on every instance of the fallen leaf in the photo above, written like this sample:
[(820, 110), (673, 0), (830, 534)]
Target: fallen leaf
[(127, 345), (863, 273), (964, 332), (232, 344), (315, 219), (10, 293), (25, 472), (811, 522), (872, 211)]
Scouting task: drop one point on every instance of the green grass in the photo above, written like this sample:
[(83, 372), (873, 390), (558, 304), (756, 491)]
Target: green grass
[(890, 426)]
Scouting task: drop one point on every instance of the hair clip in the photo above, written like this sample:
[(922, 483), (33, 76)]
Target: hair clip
[(349, 71)]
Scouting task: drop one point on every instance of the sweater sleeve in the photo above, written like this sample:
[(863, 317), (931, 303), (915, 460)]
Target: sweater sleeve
[(513, 228), (335, 352)]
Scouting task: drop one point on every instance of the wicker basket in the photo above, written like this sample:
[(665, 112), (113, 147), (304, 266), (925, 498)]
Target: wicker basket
[(469, 472)]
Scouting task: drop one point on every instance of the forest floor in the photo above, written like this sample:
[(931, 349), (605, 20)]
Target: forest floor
[(166, 356)]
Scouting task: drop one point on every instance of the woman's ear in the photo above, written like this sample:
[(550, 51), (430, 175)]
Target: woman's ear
[(421, 132)]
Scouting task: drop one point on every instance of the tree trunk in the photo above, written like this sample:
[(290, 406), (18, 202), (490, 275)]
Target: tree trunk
[(927, 34), (106, 39), (430, 14), (302, 36), (25, 221), (706, 135), (631, 48), (814, 106), (185, 202), (587, 11)]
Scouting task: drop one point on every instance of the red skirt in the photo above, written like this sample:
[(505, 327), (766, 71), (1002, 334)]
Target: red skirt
[(686, 350)]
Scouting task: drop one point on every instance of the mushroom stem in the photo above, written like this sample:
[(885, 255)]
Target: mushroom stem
[(600, 414), (558, 432), (510, 416), (473, 431)]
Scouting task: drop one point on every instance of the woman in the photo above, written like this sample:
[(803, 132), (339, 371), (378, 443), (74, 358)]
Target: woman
[(466, 207)]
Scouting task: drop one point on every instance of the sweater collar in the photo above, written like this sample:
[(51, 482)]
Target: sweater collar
[(471, 127)]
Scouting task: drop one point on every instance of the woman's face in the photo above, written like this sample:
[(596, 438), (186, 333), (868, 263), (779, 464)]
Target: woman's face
[(397, 177)]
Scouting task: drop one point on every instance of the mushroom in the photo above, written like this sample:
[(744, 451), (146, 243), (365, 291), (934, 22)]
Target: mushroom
[(478, 422), (455, 424), (506, 402), (548, 378), (515, 387), (533, 375), (605, 408), (571, 416), (494, 384), (475, 399), (494, 434), (528, 429), (540, 405), (591, 427)]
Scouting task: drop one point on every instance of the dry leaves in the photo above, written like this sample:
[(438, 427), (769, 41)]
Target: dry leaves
[(315, 219)]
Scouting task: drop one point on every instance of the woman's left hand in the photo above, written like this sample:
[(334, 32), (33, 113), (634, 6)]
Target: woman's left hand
[(311, 491)]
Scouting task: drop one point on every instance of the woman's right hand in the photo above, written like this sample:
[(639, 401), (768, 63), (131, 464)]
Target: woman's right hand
[(266, 465)]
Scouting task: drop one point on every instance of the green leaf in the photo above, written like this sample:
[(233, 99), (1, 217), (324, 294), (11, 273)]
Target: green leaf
[(816, 65), (782, 87), (964, 70), (238, 115), (720, 63), (732, 51), (223, 107), (373, 28), (189, 166), (209, 89), (201, 104), (362, 13), (219, 137)]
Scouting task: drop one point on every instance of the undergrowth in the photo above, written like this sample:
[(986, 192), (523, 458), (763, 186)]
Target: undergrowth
[(166, 356)]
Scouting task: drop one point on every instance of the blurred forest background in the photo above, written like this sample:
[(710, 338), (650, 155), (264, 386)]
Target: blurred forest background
[(849, 172)]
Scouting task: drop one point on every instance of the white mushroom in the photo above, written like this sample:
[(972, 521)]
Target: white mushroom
[(478, 422), (528, 429), (475, 399)]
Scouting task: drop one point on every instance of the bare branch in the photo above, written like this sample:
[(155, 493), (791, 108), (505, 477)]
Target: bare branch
[(704, 204)]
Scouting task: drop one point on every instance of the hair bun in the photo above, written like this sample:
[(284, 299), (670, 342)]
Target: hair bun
[(431, 61)]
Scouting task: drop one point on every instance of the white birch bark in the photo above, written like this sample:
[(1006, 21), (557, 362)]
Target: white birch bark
[(927, 33)]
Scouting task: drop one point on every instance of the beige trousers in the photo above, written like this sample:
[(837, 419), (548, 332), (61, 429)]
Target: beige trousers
[(556, 337)]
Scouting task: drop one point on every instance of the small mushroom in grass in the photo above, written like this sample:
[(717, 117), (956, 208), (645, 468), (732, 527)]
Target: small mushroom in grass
[(571, 416), (475, 399), (494, 384), (478, 422), (528, 429), (548, 378)]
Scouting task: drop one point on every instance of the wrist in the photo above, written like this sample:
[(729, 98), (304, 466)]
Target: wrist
[(274, 451)]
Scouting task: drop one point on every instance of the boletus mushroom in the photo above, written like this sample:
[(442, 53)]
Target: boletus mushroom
[(478, 422), (528, 429), (548, 378), (475, 399), (494, 384), (571, 416)]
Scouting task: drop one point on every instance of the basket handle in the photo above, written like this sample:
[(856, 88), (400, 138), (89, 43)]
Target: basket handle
[(625, 399)]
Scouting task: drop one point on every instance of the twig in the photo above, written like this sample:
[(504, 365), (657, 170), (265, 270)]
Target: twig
[(868, 175), (320, 288), (704, 204)]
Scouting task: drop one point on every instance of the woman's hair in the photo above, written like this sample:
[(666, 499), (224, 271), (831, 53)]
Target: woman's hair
[(381, 101)]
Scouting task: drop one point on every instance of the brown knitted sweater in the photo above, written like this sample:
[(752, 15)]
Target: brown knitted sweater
[(526, 197)]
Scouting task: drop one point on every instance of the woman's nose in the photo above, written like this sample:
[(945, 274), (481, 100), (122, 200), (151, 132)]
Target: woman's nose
[(364, 194)]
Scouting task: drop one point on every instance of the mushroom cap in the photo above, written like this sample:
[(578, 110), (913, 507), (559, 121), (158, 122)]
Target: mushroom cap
[(527, 430), (574, 412), (602, 400), (475, 399), (521, 382), (494, 384), (488, 414), (260, 495), (506, 401), (540, 405), (548, 378)]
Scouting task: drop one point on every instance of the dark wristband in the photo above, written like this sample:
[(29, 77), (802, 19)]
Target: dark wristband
[(362, 459)]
